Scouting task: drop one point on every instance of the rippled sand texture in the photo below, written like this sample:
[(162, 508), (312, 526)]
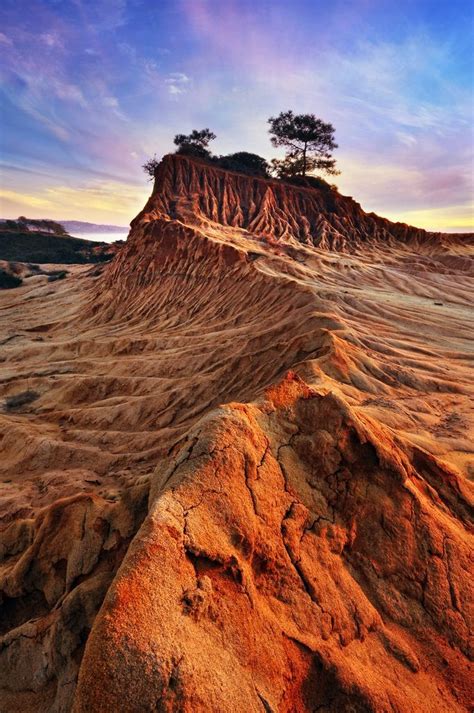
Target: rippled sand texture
[(269, 392)]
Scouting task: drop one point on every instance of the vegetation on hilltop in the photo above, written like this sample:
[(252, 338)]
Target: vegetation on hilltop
[(24, 224), (243, 161), (18, 243), (195, 144), (309, 142)]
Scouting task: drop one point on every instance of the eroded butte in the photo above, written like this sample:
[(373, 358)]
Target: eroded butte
[(244, 482)]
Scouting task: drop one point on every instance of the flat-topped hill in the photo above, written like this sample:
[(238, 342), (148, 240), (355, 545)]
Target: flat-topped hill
[(196, 192)]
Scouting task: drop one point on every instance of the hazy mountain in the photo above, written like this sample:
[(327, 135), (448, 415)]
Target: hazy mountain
[(80, 226)]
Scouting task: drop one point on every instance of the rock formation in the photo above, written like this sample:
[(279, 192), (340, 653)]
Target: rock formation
[(244, 481)]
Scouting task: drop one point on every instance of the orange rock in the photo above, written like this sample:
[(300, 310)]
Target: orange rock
[(265, 579), (243, 483)]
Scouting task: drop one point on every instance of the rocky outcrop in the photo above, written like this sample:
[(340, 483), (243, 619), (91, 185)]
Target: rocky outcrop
[(56, 570), (293, 559), (199, 194), (264, 446), (201, 221)]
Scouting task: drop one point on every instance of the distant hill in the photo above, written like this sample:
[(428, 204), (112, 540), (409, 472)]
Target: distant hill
[(44, 225), (19, 243), (79, 226)]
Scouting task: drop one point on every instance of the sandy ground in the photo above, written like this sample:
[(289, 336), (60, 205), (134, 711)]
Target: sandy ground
[(113, 397)]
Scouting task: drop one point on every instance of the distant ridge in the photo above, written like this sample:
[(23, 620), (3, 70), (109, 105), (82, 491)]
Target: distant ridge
[(80, 226), (47, 242)]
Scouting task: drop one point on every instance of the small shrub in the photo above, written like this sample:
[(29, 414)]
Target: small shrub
[(57, 275), (310, 182), (8, 281), (12, 403), (151, 166), (244, 162), (193, 150)]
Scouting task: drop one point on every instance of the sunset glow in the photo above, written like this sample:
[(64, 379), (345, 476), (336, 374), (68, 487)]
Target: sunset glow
[(90, 90)]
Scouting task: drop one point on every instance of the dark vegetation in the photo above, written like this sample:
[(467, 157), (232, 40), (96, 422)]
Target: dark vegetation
[(21, 244), (57, 275), (9, 281), (44, 225), (244, 162), (151, 166), (311, 182), (308, 141), (195, 144), (12, 403)]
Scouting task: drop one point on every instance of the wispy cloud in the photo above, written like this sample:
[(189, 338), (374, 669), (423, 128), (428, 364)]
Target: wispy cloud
[(69, 92), (23, 199), (103, 200), (110, 101), (52, 40), (177, 83), (4, 40)]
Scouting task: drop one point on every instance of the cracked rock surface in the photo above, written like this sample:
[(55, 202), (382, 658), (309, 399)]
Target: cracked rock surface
[(268, 579)]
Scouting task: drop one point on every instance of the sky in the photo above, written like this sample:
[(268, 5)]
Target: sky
[(90, 89)]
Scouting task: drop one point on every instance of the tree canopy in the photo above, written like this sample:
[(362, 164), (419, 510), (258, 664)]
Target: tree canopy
[(309, 142), (195, 143), (245, 162), (151, 166), (27, 224)]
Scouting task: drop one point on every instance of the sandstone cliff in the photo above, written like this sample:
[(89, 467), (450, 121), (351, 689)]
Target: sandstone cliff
[(244, 483), (197, 193)]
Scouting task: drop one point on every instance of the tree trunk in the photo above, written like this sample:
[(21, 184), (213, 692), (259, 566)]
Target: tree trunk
[(304, 160)]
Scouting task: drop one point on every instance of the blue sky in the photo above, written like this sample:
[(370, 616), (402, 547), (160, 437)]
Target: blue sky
[(91, 88)]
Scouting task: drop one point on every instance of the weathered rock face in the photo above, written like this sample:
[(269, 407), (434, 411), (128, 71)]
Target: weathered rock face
[(304, 546), (51, 593), (293, 559), (199, 194)]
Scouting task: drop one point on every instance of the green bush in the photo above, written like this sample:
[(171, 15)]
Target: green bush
[(244, 162)]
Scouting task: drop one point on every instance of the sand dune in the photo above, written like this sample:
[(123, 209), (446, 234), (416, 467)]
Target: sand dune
[(271, 392)]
